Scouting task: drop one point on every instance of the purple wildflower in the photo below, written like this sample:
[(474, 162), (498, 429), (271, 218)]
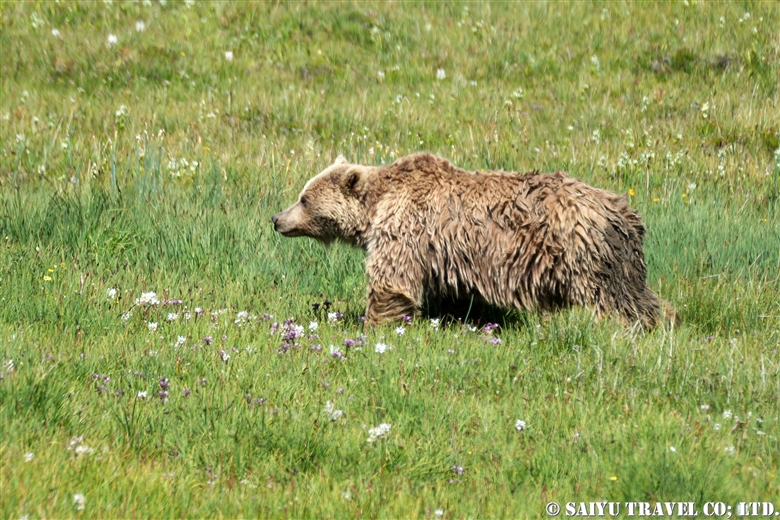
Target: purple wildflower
[(164, 383), (349, 343), (336, 353), (340, 390), (139, 374), (198, 311), (173, 302), (258, 400), (202, 382), (458, 469), (267, 316), (325, 384), (407, 319), (316, 348), (185, 393), (208, 340), (495, 341), (163, 395), (490, 327)]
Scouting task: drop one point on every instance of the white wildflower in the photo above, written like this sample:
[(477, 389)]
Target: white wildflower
[(730, 450), (380, 348), (172, 316), (378, 432), (152, 326), (380, 74), (140, 26), (180, 340), (55, 33), (126, 316), (79, 500), (717, 426), (440, 74), (77, 445), (400, 331), (228, 55), (435, 323), (331, 411), (112, 40), (672, 449), (111, 293), (313, 326), (727, 414), (141, 395), (28, 457), (333, 317), (439, 513), (148, 298), (520, 425)]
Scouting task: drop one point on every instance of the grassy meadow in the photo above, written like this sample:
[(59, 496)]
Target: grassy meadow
[(145, 145)]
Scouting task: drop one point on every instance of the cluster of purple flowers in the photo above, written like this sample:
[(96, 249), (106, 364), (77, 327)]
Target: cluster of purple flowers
[(164, 385), (290, 333), (101, 385), (488, 330), (458, 470), (252, 402)]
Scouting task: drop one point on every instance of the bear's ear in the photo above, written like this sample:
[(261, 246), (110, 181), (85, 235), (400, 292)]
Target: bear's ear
[(340, 160), (354, 180)]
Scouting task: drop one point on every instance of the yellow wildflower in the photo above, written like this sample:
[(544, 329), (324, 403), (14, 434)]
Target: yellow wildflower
[(47, 278), (631, 192), (613, 478), (656, 199)]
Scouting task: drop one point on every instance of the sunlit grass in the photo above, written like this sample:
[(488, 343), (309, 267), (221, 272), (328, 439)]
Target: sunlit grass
[(152, 162)]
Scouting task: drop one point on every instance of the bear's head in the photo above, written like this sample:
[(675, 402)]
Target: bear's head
[(331, 206)]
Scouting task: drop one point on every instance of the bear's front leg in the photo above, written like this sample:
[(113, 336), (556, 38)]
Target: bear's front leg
[(395, 286)]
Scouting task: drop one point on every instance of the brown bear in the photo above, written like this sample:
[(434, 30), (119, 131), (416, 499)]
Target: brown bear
[(432, 231)]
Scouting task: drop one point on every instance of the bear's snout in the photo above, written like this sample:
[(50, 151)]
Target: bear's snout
[(286, 223)]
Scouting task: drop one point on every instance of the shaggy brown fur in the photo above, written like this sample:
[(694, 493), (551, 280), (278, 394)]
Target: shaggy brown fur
[(433, 231)]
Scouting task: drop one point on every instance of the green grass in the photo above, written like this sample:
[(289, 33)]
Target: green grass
[(155, 165)]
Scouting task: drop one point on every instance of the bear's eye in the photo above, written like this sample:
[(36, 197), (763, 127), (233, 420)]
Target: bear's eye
[(304, 201)]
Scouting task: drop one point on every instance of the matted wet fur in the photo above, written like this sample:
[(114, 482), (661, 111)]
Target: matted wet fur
[(434, 232)]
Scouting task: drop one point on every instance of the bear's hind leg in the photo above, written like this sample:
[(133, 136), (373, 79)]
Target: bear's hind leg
[(389, 305)]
